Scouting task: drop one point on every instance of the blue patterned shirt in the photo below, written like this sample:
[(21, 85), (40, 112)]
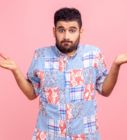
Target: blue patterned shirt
[(67, 87)]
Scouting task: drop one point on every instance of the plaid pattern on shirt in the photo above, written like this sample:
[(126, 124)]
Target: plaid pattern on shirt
[(76, 94), (67, 89)]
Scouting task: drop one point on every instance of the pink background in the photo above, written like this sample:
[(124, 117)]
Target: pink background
[(26, 25)]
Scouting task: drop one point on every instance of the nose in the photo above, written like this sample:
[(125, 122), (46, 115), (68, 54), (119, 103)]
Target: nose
[(66, 35)]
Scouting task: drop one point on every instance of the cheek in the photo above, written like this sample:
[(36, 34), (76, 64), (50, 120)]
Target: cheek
[(75, 38), (59, 38)]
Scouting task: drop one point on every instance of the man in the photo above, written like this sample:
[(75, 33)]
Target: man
[(66, 77)]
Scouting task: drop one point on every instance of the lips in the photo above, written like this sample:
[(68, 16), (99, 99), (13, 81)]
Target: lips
[(66, 42)]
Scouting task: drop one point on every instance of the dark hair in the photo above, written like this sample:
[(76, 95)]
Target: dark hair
[(68, 14)]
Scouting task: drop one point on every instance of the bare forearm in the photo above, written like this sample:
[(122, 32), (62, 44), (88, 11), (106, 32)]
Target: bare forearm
[(110, 80), (23, 84)]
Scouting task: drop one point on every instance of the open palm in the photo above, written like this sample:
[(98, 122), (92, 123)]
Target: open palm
[(7, 63)]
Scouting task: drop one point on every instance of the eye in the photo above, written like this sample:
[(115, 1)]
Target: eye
[(60, 30), (72, 30)]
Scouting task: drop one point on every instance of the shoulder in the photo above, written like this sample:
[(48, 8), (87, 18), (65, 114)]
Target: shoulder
[(44, 51), (87, 48), (89, 51)]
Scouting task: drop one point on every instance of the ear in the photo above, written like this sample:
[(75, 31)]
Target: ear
[(81, 30), (54, 31)]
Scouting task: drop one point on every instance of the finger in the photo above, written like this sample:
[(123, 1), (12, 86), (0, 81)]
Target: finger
[(5, 65), (4, 57)]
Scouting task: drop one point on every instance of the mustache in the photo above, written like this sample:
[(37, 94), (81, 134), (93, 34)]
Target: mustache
[(66, 41)]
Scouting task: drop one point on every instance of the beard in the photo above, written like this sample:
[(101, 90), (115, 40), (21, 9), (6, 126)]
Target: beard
[(67, 46)]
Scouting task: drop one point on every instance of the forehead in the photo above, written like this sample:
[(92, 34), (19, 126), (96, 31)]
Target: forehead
[(67, 24)]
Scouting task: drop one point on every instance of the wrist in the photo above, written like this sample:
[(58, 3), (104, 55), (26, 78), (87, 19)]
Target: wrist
[(15, 70)]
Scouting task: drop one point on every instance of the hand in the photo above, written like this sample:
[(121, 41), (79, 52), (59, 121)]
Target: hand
[(7, 63), (121, 59)]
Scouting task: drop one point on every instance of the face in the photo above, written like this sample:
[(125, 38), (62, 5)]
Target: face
[(67, 35)]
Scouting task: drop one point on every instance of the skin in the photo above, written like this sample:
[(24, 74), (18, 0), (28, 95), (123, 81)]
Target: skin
[(111, 79), (67, 35), (24, 85)]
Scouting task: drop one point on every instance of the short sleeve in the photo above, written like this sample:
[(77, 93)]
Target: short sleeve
[(32, 73), (102, 71)]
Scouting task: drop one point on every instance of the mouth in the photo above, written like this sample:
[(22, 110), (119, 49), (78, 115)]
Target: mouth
[(66, 42)]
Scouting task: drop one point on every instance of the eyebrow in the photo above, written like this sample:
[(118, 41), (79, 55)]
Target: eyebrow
[(59, 27), (72, 27)]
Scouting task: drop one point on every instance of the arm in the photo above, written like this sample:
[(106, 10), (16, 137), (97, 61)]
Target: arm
[(22, 82), (111, 79)]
